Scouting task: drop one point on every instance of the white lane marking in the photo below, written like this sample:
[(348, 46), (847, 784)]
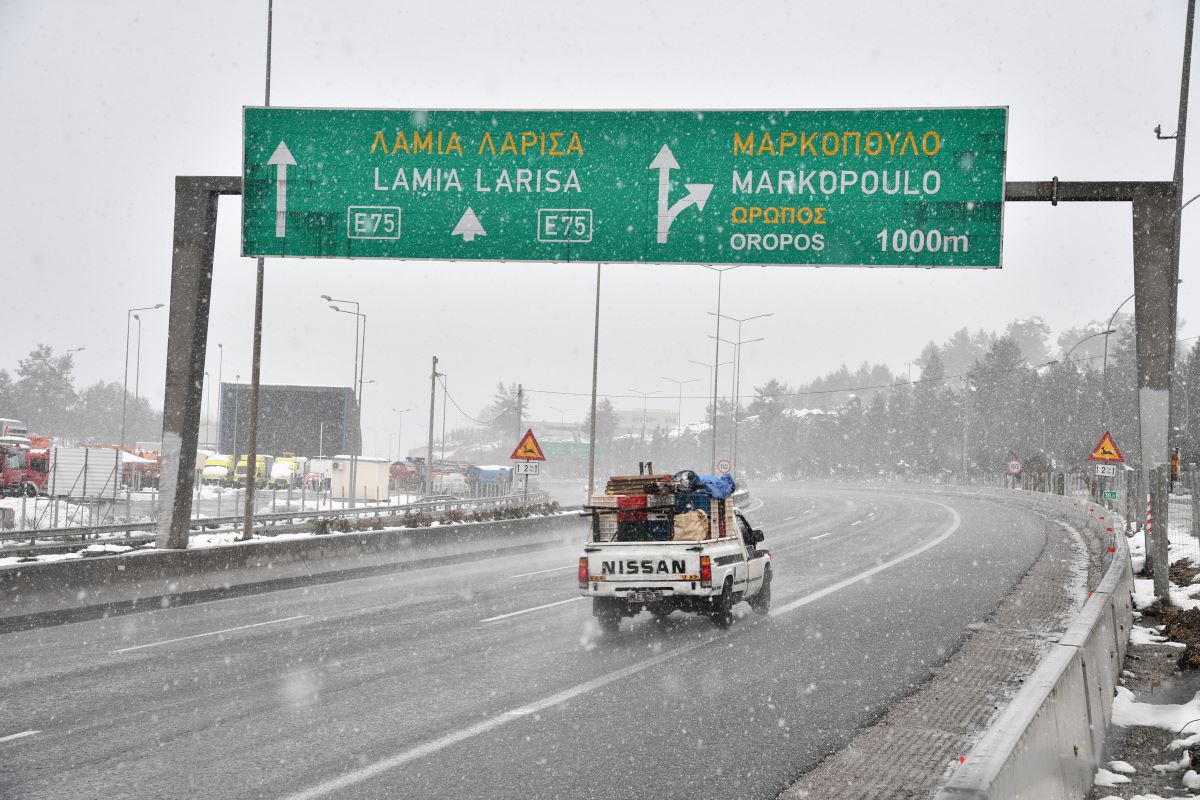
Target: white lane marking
[(371, 770), (531, 610), (852, 524), (828, 590), (788, 519), (210, 633), (822, 536), (20, 735), (543, 571)]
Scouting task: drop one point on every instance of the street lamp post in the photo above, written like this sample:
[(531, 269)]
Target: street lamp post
[(125, 377), (237, 380), (208, 413), (737, 372), (137, 370), (220, 389), (716, 360), (400, 431), (359, 365), (713, 417), (562, 416), (679, 410), (737, 388), (644, 395)]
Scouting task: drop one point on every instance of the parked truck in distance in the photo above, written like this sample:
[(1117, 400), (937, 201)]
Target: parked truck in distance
[(217, 470), (14, 475), (667, 543), (287, 471), (261, 472)]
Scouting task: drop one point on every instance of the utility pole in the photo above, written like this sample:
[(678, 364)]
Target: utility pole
[(256, 358), (520, 404), (595, 372), (1154, 385), (432, 410)]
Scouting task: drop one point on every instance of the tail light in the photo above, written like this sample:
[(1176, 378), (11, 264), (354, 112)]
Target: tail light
[(583, 572), (705, 571)]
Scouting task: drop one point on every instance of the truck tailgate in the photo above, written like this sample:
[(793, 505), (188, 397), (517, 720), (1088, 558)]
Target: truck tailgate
[(643, 564)]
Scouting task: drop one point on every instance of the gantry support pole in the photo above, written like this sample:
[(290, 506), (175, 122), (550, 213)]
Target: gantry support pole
[(187, 340), (1155, 206)]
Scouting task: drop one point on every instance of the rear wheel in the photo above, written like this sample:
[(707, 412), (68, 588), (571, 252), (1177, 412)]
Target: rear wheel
[(722, 613), (607, 614), (30, 490), (761, 602)]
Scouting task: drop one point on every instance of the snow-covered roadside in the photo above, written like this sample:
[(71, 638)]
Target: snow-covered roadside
[(1153, 737)]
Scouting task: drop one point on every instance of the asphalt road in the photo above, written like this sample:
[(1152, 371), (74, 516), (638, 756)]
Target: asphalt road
[(490, 679)]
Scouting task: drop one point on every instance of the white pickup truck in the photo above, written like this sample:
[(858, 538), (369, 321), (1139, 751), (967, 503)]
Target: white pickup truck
[(624, 572)]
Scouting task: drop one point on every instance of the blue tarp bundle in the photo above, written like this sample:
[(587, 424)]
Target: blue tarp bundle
[(719, 486)]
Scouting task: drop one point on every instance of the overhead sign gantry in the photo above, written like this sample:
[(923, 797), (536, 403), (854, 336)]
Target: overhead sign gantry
[(903, 187)]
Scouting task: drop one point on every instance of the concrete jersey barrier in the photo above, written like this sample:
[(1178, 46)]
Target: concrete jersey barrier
[(134, 578), (1049, 741)]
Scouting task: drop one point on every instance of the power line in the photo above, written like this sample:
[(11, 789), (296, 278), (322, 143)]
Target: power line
[(454, 403)]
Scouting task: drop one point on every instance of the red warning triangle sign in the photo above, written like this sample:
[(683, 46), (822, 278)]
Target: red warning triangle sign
[(1107, 451), (528, 449)]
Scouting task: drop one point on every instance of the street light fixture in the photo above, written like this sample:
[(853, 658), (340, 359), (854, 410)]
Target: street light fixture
[(679, 411), (1067, 358), (644, 395), (125, 376)]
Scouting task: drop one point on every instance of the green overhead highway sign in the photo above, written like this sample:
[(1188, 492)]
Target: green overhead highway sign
[(909, 188)]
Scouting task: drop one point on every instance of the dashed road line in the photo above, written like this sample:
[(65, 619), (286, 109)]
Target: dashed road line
[(210, 633), (531, 610), (542, 571)]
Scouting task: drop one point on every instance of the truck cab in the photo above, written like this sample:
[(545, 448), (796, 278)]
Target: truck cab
[(262, 471), (14, 478)]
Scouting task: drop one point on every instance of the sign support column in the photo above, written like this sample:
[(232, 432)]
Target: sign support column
[(187, 339)]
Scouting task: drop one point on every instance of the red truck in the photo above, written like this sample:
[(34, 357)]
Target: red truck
[(14, 474)]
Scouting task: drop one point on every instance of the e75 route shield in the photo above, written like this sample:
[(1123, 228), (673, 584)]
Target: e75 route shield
[(910, 188)]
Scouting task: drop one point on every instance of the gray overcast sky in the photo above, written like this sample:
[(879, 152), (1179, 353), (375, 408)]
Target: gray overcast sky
[(106, 102)]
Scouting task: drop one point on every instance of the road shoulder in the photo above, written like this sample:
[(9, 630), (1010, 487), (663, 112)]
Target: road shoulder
[(915, 747)]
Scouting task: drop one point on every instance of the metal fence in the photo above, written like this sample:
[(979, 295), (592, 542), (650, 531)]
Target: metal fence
[(434, 507)]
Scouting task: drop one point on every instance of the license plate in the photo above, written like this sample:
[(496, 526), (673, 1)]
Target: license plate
[(645, 597)]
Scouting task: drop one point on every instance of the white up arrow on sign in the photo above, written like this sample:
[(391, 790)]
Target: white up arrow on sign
[(468, 226), (698, 193), (281, 159)]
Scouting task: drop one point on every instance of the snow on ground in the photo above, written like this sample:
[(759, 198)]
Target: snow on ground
[(1127, 711), (1108, 779), (1143, 594), (1143, 635)]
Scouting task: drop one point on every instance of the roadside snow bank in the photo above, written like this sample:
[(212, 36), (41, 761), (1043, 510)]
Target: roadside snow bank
[(1127, 711)]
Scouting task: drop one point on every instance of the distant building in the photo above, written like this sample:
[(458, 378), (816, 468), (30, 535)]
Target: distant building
[(630, 421), (304, 420)]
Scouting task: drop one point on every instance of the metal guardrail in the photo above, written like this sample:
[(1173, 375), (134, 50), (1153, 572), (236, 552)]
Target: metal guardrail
[(437, 507)]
